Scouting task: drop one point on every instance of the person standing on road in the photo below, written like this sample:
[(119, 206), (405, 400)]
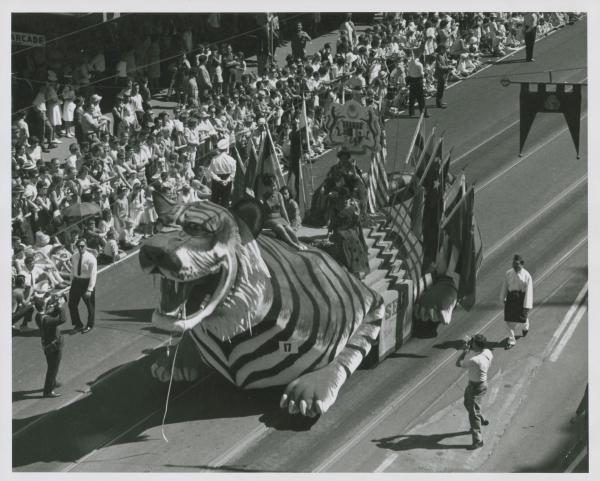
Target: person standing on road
[(517, 296), (442, 68), (415, 78), (299, 41), (49, 315), (83, 286), (530, 22), (478, 364)]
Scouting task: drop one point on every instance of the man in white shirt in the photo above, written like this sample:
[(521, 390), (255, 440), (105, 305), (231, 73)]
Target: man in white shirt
[(222, 173), (478, 364), (415, 74), (83, 286), (517, 296)]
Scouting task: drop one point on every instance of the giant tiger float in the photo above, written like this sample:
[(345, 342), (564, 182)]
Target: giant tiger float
[(262, 313)]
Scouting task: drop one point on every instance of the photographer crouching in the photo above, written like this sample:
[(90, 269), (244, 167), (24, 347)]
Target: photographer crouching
[(478, 363), (49, 313)]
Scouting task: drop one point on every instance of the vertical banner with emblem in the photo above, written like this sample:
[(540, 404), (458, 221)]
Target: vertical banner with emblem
[(551, 98)]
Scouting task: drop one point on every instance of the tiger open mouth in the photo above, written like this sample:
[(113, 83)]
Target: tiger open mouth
[(184, 303)]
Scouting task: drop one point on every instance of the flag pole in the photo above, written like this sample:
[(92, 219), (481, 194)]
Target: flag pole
[(414, 137), (458, 204), (431, 160)]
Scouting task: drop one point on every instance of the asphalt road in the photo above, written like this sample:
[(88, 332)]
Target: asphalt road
[(404, 415)]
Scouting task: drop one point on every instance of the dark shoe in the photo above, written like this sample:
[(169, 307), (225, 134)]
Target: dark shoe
[(86, 330), (77, 329), (52, 394), (531, 60), (509, 346), (442, 105), (475, 446), (484, 422), (45, 150), (525, 332)]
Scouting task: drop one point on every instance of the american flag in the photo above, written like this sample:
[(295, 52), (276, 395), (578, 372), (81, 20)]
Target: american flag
[(379, 188)]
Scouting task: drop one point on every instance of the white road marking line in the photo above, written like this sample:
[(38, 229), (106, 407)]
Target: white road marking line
[(565, 322), (577, 460), (568, 333), (253, 436), (534, 217), (357, 437), (387, 462), (481, 144), (521, 159)]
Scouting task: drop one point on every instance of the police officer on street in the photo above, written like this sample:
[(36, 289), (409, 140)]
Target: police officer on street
[(517, 296), (49, 314), (222, 173), (415, 78), (477, 358), (442, 67)]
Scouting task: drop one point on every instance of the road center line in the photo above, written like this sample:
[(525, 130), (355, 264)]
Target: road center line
[(533, 218), (568, 333), (521, 159), (568, 316), (359, 435)]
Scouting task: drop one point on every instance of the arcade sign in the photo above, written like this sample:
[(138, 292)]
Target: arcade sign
[(29, 39)]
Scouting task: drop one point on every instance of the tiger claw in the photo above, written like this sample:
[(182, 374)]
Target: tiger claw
[(292, 408), (303, 407), (283, 402), (319, 407)]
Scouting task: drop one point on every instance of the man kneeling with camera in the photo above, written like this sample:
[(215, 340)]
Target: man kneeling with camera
[(477, 359)]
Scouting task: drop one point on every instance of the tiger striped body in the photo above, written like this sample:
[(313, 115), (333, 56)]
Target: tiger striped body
[(286, 317), (315, 308)]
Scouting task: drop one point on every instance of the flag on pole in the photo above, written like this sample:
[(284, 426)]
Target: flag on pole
[(565, 98), (378, 194), (463, 235), (417, 144), (265, 161), (434, 185)]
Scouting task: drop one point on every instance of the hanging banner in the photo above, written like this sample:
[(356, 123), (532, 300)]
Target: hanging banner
[(353, 126), (552, 98), (29, 39)]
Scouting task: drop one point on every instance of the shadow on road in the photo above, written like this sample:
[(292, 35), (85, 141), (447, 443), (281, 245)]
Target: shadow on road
[(406, 442), (135, 315), (124, 403)]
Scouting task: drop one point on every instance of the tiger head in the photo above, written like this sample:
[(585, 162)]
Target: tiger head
[(210, 268)]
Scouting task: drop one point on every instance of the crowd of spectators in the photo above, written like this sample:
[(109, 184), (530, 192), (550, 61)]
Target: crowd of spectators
[(121, 149)]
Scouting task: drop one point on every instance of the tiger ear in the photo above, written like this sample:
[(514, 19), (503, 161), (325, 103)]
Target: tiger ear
[(249, 216), (165, 207)]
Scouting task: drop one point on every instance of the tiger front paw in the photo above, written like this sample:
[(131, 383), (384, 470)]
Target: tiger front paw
[(313, 393)]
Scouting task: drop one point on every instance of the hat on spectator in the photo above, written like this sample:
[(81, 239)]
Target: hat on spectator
[(223, 144), (41, 239), (95, 98), (52, 76), (204, 114), (262, 121), (136, 183)]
